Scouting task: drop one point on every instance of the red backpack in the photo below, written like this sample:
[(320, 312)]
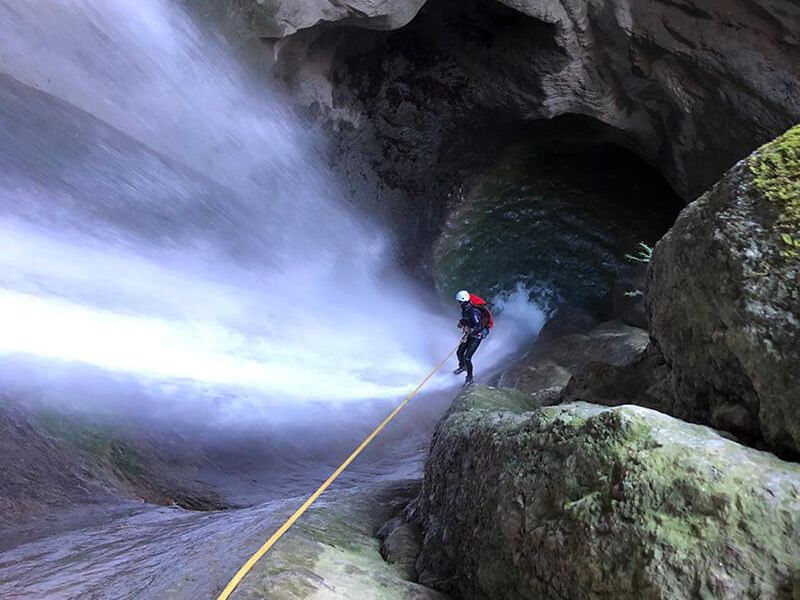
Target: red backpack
[(483, 306)]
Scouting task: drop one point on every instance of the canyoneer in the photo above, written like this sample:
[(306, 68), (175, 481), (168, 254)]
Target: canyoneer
[(476, 321)]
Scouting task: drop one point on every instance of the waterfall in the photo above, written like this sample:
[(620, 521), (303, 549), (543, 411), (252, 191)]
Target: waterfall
[(167, 221), (165, 217)]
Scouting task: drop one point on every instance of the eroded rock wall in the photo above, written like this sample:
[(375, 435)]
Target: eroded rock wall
[(692, 87)]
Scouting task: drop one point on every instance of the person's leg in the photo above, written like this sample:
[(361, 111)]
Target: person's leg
[(460, 354), (462, 347), (471, 347)]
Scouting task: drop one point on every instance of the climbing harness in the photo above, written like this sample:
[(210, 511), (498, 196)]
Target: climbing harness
[(251, 562)]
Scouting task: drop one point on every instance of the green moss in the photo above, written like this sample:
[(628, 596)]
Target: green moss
[(486, 398), (776, 174), (93, 440), (585, 510), (557, 217), (622, 502)]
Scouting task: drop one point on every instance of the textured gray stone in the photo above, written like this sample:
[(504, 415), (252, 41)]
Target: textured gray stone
[(724, 308), (554, 358), (581, 501), (401, 543), (694, 86), (332, 553), (281, 18)]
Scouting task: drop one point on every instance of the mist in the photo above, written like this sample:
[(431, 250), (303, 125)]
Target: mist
[(170, 231)]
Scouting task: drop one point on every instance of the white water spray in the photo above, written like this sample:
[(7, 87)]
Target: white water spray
[(163, 217)]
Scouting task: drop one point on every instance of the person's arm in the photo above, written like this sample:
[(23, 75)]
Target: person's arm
[(475, 323)]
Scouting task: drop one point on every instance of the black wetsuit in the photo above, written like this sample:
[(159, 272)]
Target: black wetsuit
[(472, 319)]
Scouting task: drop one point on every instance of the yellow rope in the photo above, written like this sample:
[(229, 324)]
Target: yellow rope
[(246, 567)]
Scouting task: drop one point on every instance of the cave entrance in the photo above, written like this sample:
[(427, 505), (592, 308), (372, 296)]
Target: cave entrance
[(481, 187), (554, 206)]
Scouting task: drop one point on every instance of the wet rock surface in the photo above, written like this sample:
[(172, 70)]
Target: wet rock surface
[(583, 501), (52, 462), (42, 473), (565, 349), (401, 543), (141, 551), (333, 552)]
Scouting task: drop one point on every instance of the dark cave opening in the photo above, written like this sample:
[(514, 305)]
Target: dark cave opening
[(558, 206), (429, 120)]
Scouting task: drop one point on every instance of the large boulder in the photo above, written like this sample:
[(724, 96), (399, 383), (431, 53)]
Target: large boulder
[(723, 301), (582, 501)]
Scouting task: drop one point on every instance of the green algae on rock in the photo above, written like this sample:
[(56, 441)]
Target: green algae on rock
[(559, 216), (104, 445), (582, 501), (775, 168)]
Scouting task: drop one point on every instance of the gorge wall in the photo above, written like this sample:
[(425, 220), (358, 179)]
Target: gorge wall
[(691, 87)]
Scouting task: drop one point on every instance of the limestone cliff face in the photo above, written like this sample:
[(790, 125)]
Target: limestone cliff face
[(278, 18), (692, 86)]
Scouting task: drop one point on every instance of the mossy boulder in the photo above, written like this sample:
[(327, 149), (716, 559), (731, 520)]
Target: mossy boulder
[(583, 501), (724, 305)]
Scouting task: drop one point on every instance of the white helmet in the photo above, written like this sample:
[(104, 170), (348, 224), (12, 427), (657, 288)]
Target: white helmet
[(462, 296)]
